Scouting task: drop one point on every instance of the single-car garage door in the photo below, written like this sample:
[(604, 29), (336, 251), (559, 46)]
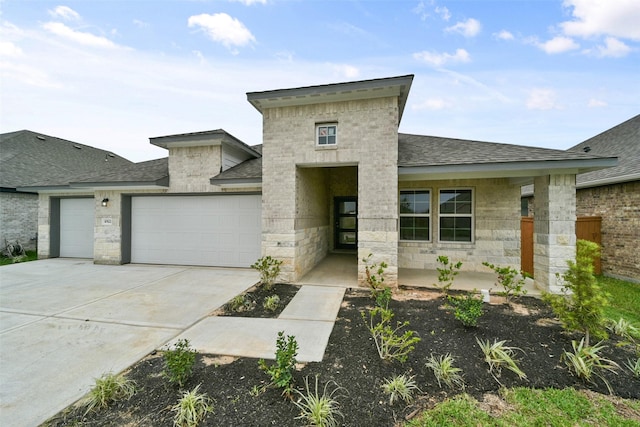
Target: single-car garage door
[(76, 227), (220, 230)]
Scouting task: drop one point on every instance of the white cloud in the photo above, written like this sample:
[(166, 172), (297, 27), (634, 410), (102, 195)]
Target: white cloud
[(443, 12), (613, 48), (440, 59), (557, 44), (250, 2), (65, 12), (222, 28), (140, 24), (347, 71), (618, 18), (433, 104), (86, 39), (542, 99), (9, 49), (596, 103), (421, 10), (503, 35), (469, 28)]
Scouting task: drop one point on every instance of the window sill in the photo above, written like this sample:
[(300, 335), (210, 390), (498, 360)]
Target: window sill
[(326, 147)]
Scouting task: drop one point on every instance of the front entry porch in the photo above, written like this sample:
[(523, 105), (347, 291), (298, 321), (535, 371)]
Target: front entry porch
[(339, 269)]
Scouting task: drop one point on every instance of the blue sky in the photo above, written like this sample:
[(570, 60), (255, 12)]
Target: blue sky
[(111, 74)]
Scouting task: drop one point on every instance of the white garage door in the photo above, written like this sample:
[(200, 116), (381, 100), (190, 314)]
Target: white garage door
[(221, 230), (76, 228)]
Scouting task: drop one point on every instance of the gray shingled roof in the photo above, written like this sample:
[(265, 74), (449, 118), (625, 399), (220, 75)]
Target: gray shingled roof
[(246, 172), (28, 158), (418, 150), (622, 141)]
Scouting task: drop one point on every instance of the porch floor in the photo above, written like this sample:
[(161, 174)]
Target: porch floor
[(339, 269)]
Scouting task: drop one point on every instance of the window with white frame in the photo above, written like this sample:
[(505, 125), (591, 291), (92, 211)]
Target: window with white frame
[(415, 214), (327, 134), (456, 215)]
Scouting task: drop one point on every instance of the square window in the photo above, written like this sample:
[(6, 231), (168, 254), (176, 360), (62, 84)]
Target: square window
[(327, 134)]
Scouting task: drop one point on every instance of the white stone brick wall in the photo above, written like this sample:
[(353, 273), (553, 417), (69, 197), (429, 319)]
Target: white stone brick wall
[(367, 137), (496, 225), (191, 168), (19, 219)]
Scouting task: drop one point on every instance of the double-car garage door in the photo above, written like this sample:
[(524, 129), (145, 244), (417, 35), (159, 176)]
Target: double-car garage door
[(220, 230)]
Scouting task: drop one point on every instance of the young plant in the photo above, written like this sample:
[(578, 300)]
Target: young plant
[(192, 408), (581, 307), (108, 388), (375, 276), (240, 303), (585, 362), (271, 303), (390, 345), (444, 371), (497, 356), (269, 269), (179, 362), (400, 387), (446, 273), (467, 309), (511, 280), (282, 372), (634, 367), (383, 297), (319, 409), (624, 329)]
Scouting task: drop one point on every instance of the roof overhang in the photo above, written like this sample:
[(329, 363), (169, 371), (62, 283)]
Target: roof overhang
[(202, 139), (520, 172), (237, 182), (349, 91), (83, 187)]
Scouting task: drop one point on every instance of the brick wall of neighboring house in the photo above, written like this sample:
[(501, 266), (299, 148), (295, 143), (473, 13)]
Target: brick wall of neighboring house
[(19, 219), (497, 227), (368, 138), (619, 207)]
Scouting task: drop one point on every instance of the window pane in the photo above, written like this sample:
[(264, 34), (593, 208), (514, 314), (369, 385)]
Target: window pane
[(331, 140), (348, 208), (348, 223), (463, 208)]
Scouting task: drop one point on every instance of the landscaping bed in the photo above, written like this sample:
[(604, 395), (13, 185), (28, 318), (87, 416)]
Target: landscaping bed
[(352, 361), (252, 302)]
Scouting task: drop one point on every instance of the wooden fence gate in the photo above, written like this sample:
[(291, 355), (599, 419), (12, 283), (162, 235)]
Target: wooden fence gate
[(587, 228)]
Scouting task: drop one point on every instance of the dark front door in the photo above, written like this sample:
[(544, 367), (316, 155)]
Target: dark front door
[(346, 222)]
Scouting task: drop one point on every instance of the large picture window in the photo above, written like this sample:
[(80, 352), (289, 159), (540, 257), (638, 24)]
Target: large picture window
[(415, 214), (456, 215)]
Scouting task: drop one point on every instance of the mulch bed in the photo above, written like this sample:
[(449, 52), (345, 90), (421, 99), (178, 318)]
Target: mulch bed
[(255, 298), (351, 360)]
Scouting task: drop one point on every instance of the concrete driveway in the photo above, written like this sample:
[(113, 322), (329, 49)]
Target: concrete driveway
[(64, 322)]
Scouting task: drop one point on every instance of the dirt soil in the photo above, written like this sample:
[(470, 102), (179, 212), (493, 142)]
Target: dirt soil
[(351, 360)]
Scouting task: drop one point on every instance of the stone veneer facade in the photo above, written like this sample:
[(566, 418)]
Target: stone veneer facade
[(18, 219), (296, 202), (496, 227), (619, 207)]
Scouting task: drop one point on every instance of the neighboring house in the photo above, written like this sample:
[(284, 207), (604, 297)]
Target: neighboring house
[(614, 195), (332, 174), (27, 158)]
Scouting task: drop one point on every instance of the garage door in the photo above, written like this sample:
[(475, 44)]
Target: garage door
[(76, 228), (221, 230)]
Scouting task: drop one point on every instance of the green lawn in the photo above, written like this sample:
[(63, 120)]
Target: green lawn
[(625, 299)]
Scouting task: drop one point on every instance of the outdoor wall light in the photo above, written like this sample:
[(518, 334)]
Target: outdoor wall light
[(105, 202)]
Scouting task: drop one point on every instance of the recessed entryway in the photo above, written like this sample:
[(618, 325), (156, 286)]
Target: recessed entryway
[(346, 222)]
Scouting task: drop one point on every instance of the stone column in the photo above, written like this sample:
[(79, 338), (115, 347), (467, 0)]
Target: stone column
[(554, 236)]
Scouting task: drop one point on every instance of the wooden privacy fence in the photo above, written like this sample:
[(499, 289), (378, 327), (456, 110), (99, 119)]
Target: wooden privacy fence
[(587, 228)]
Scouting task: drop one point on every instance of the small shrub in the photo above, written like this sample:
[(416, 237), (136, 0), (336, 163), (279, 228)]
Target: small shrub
[(269, 269), (282, 372), (497, 356), (271, 303), (634, 367), (375, 276), (586, 363), (444, 371), (400, 387), (241, 303), (581, 307), (192, 408), (383, 297), (179, 362), (390, 345), (511, 280), (108, 388), (467, 309), (446, 273), (319, 409)]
